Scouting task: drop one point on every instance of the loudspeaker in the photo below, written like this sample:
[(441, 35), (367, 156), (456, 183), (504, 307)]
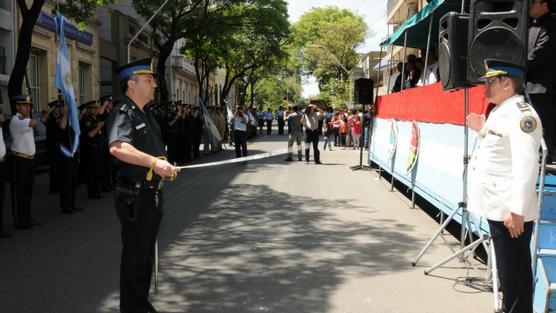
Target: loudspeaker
[(497, 30), (452, 50), (363, 91)]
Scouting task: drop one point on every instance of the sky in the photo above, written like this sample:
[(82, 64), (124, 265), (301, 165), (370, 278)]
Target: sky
[(373, 12)]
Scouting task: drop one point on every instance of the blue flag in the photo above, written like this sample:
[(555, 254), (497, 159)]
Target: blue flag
[(63, 82), (212, 130)]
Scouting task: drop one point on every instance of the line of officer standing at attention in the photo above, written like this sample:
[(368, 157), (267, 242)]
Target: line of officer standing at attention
[(182, 129), (93, 160)]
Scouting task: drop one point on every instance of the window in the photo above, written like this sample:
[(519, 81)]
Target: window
[(85, 87), (33, 76), (3, 60)]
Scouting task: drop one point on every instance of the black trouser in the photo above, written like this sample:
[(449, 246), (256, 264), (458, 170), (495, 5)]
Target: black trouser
[(53, 150), (67, 181), (312, 136), (171, 144), (188, 138), (513, 258), (269, 127), (336, 136), (3, 175), (107, 180), (22, 189), (240, 143), (281, 124), (140, 218), (196, 145), (95, 168), (544, 105)]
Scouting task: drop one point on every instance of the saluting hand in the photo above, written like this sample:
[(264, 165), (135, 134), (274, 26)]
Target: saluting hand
[(164, 169), (475, 121), (515, 224)]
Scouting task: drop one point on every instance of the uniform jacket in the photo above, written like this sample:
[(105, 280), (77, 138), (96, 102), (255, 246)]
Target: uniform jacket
[(504, 166), (541, 63)]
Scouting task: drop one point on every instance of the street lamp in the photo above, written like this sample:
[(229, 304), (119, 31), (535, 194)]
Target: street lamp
[(341, 66)]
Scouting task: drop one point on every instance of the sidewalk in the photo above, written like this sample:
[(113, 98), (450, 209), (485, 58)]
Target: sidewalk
[(268, 236)]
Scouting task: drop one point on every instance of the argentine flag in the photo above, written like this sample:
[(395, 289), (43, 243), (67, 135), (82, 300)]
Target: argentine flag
[(212, 130), (63, 82)]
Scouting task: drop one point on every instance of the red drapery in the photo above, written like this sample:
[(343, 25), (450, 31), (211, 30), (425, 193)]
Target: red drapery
[(431, 104)]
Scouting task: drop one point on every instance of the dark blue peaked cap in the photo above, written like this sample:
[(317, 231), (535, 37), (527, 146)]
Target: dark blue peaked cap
[(496, 67), (22, 99), (105, 98), (140, 67)]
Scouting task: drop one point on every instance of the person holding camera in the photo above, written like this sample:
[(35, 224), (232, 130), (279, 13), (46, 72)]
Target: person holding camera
[(295, 133), (239, 121), (310, 120)]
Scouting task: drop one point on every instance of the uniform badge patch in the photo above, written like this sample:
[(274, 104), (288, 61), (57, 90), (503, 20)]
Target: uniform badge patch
[(528, 124)]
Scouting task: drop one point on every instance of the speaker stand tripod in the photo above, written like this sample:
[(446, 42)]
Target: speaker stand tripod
[(466, 225), (366, 138)]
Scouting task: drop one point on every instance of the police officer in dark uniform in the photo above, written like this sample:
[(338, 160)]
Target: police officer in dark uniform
[(106, 180), (50, 119), (171, 127), (136, 143), (198, 127), (92, 138), (66, 166)]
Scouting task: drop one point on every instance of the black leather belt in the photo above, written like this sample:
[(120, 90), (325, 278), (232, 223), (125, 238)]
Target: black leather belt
[(126, 183)]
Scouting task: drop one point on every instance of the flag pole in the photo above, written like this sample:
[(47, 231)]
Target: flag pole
[(141, 30)]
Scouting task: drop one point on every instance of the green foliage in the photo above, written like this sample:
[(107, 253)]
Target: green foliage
[(82, 10), (327, 38)]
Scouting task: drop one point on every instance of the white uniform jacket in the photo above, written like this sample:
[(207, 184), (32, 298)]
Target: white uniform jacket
[(504, 166)]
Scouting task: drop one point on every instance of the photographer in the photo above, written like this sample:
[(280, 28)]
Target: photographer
[(239, 121), (310, 120)]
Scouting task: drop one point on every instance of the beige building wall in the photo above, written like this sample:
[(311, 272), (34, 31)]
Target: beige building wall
[(41, 68)]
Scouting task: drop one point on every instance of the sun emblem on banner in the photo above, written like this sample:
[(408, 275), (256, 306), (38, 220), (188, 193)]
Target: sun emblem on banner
[(392, 145), (413, 154)]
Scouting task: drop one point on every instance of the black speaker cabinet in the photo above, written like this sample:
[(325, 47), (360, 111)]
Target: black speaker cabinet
[(452, 50), (363, 91), (497, 30)]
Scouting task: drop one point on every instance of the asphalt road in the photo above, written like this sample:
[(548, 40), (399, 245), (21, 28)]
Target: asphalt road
[(267, 236)]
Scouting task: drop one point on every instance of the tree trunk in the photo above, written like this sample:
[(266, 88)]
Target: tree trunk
[(29, 17), (164, 52)]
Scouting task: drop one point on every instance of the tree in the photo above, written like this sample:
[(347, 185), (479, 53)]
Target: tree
[(249, 38), (328, 38), (182, 19), (80, 10)]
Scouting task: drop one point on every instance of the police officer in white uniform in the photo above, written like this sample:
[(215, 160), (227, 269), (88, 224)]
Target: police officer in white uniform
[(23, 154), (503, 173)]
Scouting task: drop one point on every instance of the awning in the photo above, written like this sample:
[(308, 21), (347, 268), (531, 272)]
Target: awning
[(385, 62), (417, 26)]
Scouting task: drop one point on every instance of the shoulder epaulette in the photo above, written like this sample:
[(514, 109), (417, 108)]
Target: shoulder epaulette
[(124, 108), (523, 107)]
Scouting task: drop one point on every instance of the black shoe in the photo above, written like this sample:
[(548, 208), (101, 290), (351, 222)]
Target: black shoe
[(318, 162), (288, 159), (23, 225), (77, 209), (34, 222), (4, 235), (68, 211)]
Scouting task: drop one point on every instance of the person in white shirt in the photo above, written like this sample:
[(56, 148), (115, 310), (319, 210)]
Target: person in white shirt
[(310, 120), (3, 174), (23, 154), (503, 174), (240, 121)]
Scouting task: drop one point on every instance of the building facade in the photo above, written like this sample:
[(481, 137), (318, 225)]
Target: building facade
[(83, 48)]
